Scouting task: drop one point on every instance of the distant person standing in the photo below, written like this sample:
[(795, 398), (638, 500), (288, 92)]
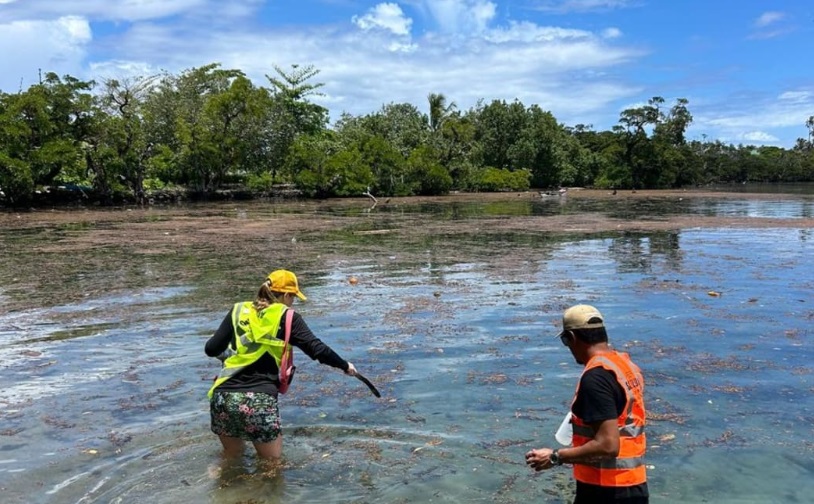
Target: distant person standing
[(250, 342), (608, 417)]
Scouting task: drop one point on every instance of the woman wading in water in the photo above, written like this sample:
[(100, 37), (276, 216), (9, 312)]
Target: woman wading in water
[(251, 342)]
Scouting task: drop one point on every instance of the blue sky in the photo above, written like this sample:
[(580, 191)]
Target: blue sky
[(745, 66)]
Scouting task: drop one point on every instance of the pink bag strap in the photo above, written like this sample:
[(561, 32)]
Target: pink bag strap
[(289, 316)]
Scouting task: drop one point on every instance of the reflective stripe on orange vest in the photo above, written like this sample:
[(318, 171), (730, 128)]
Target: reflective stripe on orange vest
[(628, 468)]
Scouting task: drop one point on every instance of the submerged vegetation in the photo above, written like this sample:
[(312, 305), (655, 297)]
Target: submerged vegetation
[(210, 129)]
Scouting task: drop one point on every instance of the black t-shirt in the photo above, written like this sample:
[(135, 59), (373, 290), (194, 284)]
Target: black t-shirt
[(262, 375), (601, 398)]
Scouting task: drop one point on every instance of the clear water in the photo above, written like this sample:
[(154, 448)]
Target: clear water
[(104, 399)]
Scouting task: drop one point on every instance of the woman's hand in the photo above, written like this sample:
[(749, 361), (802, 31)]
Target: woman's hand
[(351, 370)]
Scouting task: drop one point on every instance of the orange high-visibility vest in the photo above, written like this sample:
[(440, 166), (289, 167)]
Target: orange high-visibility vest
[(627, 469)]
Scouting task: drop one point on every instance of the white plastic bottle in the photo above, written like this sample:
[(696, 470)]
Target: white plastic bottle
[(565, 433)]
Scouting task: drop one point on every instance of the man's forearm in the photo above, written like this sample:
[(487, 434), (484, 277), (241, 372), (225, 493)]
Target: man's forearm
[(590, 451)]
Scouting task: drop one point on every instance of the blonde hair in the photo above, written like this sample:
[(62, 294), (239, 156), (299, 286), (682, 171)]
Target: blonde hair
[(266, 297)]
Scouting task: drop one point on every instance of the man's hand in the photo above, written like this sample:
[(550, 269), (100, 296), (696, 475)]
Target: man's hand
[(540, 460), (351, 370)]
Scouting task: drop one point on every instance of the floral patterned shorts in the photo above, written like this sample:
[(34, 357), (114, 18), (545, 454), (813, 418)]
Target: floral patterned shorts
[(251, 416)]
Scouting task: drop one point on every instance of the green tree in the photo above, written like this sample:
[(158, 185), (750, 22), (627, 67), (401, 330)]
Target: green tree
[(309, 164), (426, 175), (439, 110), (456, 145), (401, 124), (352, 174), (494, 180), (498, 126), (291, 112), (540, 147), (42, 130), (210, 119), (386, 164), (122, 100)]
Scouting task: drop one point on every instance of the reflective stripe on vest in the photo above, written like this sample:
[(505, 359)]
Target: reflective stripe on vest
[(255, 334), (628, 467), (626, 431), (618, 463)]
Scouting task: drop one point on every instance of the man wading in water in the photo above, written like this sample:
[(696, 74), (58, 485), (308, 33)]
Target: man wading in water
[(608, 417)]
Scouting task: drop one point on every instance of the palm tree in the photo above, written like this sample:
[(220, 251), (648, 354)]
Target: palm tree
[(439, 110)]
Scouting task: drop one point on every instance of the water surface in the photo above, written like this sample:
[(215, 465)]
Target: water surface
[(104, 396)]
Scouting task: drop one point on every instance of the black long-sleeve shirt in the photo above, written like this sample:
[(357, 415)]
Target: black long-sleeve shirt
[(261, 376)]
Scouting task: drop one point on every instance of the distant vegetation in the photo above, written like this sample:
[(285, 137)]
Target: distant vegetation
[(208, 129)]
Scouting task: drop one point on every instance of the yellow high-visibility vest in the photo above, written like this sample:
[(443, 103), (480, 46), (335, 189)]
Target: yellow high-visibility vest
[(255, 335)]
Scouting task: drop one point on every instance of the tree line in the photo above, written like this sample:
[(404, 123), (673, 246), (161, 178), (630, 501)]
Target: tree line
[(210, 128)]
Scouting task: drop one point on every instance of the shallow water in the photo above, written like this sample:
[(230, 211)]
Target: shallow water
[(108, 404)]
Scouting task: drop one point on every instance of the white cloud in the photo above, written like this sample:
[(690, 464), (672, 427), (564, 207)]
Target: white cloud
[(758, 137), (51, 46), (461, 16), (612, 33), (121, 69), (388, 16), (735, 118), (364, 70), (769, 114), (806, 97), (402, 47), (768, 18), (121, 10), (527, 32), (770, 25)]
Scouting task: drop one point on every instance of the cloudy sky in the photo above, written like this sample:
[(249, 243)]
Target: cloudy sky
[(744, 65)]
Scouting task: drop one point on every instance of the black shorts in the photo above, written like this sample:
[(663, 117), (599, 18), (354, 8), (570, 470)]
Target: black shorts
[(594, 494)]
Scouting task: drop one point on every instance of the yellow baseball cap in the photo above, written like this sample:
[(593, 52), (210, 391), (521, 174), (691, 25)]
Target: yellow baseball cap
[(581, 317), (285, 281)]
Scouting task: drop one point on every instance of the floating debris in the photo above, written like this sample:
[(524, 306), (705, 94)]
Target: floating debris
[(667, 417)]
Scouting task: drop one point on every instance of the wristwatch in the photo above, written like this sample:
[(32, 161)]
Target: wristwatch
[(555, 458)]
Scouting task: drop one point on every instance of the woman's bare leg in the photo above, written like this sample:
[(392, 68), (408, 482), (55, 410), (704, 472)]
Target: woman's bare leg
[(232, 447), (270, 451)]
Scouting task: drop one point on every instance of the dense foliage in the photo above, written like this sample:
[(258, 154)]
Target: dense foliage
[(209, 128)]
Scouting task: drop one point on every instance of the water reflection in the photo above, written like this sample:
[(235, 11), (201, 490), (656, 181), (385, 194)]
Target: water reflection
[(617, 208), (637, 252)]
